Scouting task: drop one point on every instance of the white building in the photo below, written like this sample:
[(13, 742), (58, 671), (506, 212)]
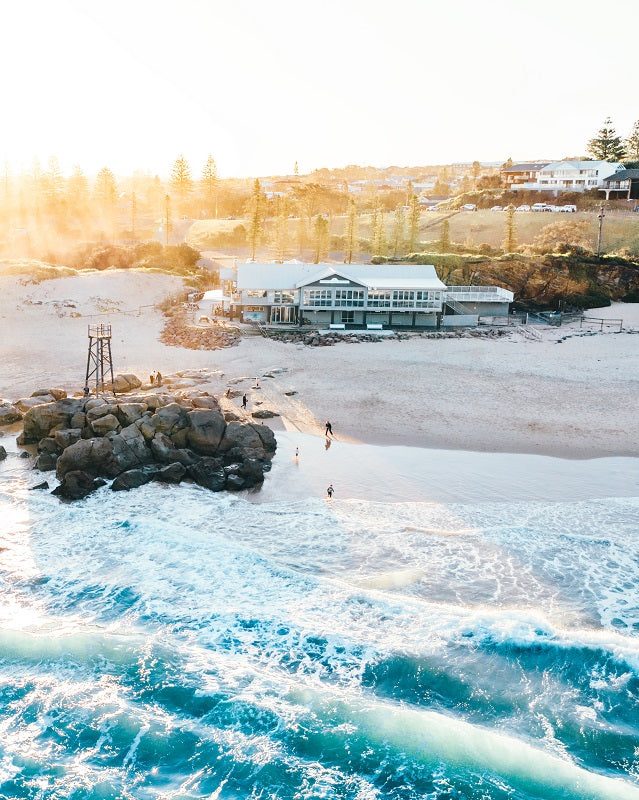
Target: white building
[(569, 176), (359, 296)]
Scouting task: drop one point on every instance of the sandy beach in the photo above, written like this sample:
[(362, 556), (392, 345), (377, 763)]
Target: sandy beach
[(570, 393)]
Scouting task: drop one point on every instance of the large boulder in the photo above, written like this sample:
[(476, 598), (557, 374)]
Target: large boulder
[(209, 473), (170, 419), (26, 403), (206, 430), (128, 450), (86, 455), (205, 402), (56, 394), (104, 425), (133, 478), (245, 437), (162, 448), (45, 462), (40, 420), (126, 382), (3, 453), (268, 439), (77, 484), (67, 436), (130, 412), (264, 413), (172, 473), (99, 410), (9, 413)]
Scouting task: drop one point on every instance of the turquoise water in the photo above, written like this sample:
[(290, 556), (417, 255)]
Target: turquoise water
[(173, 643)]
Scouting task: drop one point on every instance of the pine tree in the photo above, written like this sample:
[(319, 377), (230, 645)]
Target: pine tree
[(476, 172), (209, 184), (398, 230), (281, 238), (105, 190), (351, 232), (320, 238), (256, 222), (181, 180), (414, 213), (444, 237), (510, 239), (77, 192), (632, 142), (606, 145), (378, 232)]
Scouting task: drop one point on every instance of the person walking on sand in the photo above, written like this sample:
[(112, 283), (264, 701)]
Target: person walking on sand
[(158, 378), (329, 429), (244, 401), (330, 491), (151, 379)]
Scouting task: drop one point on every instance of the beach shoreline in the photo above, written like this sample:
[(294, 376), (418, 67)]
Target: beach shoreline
[(571, 394)]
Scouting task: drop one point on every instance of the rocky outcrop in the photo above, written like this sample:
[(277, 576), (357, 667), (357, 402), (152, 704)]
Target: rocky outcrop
[(134, 441), (3, 453)]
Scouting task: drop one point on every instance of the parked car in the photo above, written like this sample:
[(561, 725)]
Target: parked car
[(496, 208), (523, 208), (568, 208), (541, 207), (469, 207)]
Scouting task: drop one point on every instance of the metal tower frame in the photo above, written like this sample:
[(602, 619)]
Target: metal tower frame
[(99, 361)]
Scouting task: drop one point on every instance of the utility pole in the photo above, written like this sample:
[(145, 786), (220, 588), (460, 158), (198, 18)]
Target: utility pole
[(600, 217), (167, 206)]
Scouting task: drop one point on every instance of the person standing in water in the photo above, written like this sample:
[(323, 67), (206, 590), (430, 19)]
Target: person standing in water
[(329, 429), (330, 491)]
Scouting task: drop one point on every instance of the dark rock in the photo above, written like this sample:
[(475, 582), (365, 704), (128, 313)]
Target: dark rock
[(206, 429), (43, 485), (209, 473), (185, 457), (45, 462), (170, 418), (9, 414), (25, 454), (39, 421), (95, 412), (252, 471), (78, 420), (206, 402), (105, 425), (243, 436), (3, 453), (267, 437), (230, 416), (130, 412), (76, 484), (162, 448), (86, 455), (67, 436), (132, 478), (129, 450), (234, 482), (49, 445), (264, 413), (173, 473)]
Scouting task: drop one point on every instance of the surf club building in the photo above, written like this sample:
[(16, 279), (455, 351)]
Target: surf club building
[(359, 297)]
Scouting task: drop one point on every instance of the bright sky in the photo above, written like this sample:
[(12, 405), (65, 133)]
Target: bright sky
[(260, 84)]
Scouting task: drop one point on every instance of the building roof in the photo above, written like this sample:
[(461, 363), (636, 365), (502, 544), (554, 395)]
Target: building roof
[(373, 276), (526, 166), (555, 165), (623, 175)]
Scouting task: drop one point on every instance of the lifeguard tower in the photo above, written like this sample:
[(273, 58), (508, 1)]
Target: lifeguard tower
[(99, 362)]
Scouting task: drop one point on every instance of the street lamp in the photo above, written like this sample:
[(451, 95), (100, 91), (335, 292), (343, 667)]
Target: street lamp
[(600, 217)]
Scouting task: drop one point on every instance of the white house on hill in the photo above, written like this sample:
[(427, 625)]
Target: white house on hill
[(569, 176), (359, 296)]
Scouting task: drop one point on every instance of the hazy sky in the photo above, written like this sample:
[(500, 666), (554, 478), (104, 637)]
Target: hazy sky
[(261, 84)]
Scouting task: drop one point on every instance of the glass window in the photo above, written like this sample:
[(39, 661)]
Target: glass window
[(318, 298), (348, 316), (282, 297), (403, 298), (379, 298), (349, 297)]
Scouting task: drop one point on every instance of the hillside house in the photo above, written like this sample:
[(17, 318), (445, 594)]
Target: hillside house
[(624, 184), (569, 176)]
